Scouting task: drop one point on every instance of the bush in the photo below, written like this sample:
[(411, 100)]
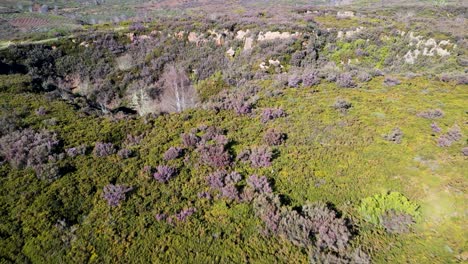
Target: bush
[(244, 155), (373, 208), (185, 213), (190, 140), (225, 183), (242, 102), (31, 149), (268, 208), (102, 149), (395, 136), (125, 153), (296, 228), (261, 157), (211, 86), (75, 151), (345, 80), (390, 81), (164, 173), (431, 114), (260, 184), (330, 231), (364, 77), (294, 81), (214, 155), (274, 138), (397, 222), (41, 111), (114, 194), (8, 123), (342, 105), (173, 153), (310, 78), (453, 134), (435, 128), (271, 114), (465, 151), (221, 178)]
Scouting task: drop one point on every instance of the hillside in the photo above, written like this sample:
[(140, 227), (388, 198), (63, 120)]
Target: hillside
[(234, 132)]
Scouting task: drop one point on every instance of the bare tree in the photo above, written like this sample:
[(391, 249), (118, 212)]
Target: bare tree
[(178, 94)]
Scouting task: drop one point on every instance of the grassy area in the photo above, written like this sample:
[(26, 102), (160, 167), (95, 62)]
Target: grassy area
[(328, 156)]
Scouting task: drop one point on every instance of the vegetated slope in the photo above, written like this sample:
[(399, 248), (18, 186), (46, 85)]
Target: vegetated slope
[(328, 156), (294, 152)]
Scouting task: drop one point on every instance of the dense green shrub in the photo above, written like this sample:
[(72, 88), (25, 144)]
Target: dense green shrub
[(210, 87), (17, 83), (374, 208)]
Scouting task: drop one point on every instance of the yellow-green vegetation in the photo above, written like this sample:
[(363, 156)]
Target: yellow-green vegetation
[(330, 21), (373, 208), (329, 156), (211, 86)]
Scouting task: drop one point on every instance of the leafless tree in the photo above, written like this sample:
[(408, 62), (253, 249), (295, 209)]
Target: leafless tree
[(178, 94)]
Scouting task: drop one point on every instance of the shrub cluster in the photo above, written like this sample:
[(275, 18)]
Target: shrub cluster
[(310, 78), (259, 184), (397, 222), (395, 136), (315, 223), (274, 138), (294, 80), (453, 134), (190, 140), (125, 153), (212, 148), (181, 216), (260, 157), (242, 103), (393, 211), (114, 194), (345, 80), (214, 155), (173, 153), (102, 149), (390, 81), (435, 128), (465, 151), (342, 105), (431, 114), (364, 77), (225, 183), (75, 151), (271, 114), (31, 149), (164, 173)]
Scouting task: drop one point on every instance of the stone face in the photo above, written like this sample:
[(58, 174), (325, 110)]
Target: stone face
[(275, 63), (242, 34), (124, 62), (350, 33), (230, 52), (430, 48), (248, 44), (345, 14), (263, 66), (179, 35), (269, 35), (430, 43), (193, 37), (411, 56)]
